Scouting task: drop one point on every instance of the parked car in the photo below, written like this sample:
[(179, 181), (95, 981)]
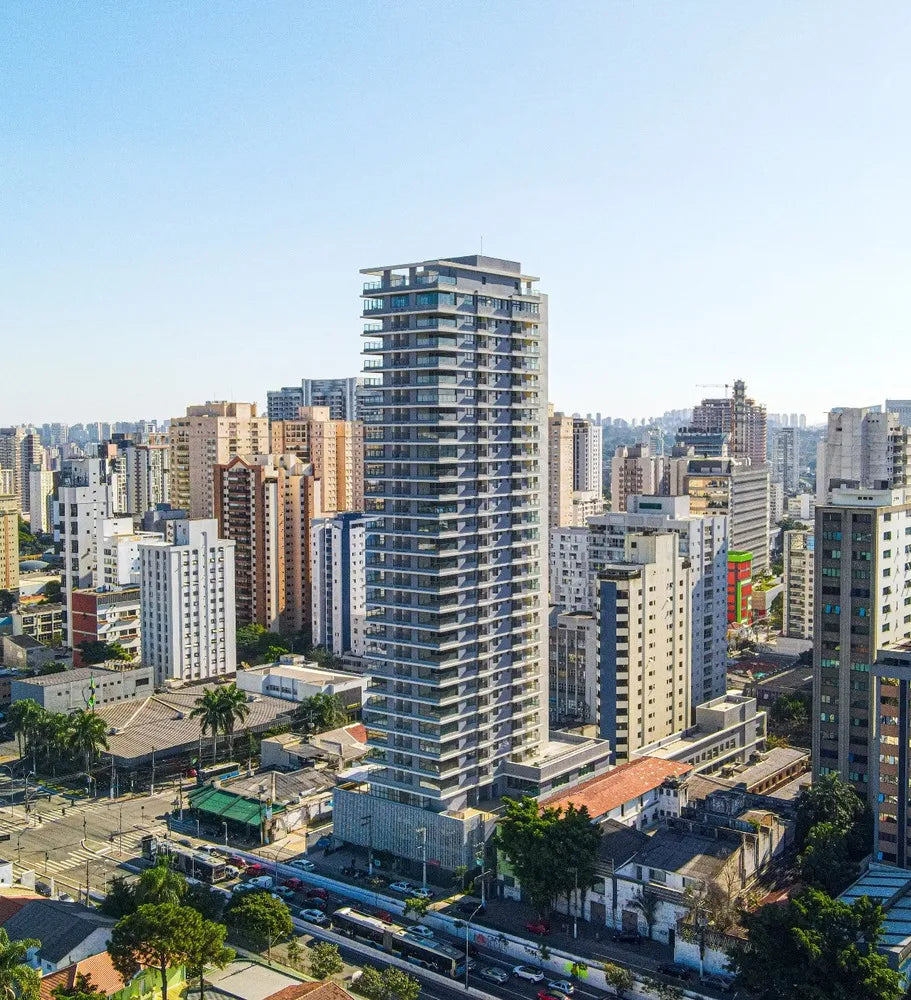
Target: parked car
[(232, 872), (470, 906), (237, 862), (419, 930), (405, 887), (209, 849), (494, 974), (314, 916), (255, 869), (303, 863), (547, 995), (323, 844), (563, 985), (627, 937), (537, 927), (184, 842), (675, 971), (293, 883), (716, 981), (261, 882), (528, 972), (242, 887), (316, 903), (42, 888), (422, 893), (317, 893), (284, 891), (65, 897)]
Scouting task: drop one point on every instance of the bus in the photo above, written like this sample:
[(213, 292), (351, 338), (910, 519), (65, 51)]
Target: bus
[(394, 938), (229, 769), (193, 863)]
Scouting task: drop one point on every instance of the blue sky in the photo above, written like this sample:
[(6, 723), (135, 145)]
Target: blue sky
[(707, 190)]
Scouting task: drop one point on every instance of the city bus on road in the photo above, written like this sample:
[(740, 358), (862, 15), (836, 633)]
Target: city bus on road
[(429, 952), (205, 867)]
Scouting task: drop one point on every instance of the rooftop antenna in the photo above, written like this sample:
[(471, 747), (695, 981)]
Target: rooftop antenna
[(482, 245)]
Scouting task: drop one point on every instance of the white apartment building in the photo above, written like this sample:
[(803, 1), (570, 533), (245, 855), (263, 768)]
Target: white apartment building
[(147, 474), (85, 498), (187, 603), (786, 458), (587, 458), (584, 504), (573, 668), (635, 471), (339, 583), (644, 645), (118, 546), (570, 577), (703, 541), (797, 613), (863, 448), (802, 507), (41, 500)]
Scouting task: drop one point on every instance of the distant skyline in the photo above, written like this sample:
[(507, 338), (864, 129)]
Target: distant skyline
[(708, 191)]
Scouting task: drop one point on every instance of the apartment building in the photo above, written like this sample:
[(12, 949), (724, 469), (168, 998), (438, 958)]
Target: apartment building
[(742, 418), (456, 573), (265, 504), (862, 448), (186, 593), (588, 460), (785, 464), (118, 552), (9, 542), (41, 500), (147, 474), (573, 668), (342, 396), (799, 584), (862, 606), (11, 439), (107, 614), (890, 777), (635, 471), (339, 583), (335, 449), (206, 436), (644, 644), (560, 465)]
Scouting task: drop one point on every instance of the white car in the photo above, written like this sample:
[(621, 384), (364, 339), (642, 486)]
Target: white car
[(528, 972), (419, 930), (421, 893), (313, 916), (493, 974), (303, 864), (562, 986), (405, 887), (232, 872), (209, 849)]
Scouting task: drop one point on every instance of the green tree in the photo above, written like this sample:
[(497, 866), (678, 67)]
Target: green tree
[(815, 948), (260, 917), (647, 903), (831, 800), (24, 718), (550, 851), (390, 984), (18, 980), (95, 651), (7, 601), (52, 591), (618, 978), (320, 713), (82, 989), (668, 991), (234, 710), (209, 903), (417, 906), (205, 947), (208, 709), (155, 936), (161, 884), (88, 735), (824, 862), (120, 900), (325, 961), (295, 953)]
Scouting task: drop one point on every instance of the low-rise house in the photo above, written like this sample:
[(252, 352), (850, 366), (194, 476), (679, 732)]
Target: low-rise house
[(295, 678), (250, 980), (339, 748), (69, 932), (25, 653), (144, 985), (42, 620)]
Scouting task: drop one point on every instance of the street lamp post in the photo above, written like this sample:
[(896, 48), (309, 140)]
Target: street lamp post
[(152, 786), (422, 831), (225, 825), (368, 819), (121, 829), (467, 929), (575, 902)]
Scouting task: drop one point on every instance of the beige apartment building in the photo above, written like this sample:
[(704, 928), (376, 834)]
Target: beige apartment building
[(207, 436), (335, 448), (635, 471), (9, 542), (265, 505), (798, 599), (560, 439)]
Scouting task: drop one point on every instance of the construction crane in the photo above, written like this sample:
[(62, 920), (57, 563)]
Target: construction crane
[(715, 385)]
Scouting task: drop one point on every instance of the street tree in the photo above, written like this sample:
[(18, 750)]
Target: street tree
[(94, 651), (120, 900), (824, 862), (831, 800), (18, 980), (325, 961), (551, 852), (205, 947), (417, 906), (390, 984), (82, 989), (161, 884), (260, 917), (88, 735), (209, 903), (234, 710), (647, 902), (815, 947), (320, 713), (208, 709), (618, 978), (24, 717), (154, 936)]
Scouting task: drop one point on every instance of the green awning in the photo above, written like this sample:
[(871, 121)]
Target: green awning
[(227, 806)]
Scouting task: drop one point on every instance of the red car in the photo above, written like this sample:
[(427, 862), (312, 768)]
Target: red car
[(237, 863), (317, 894), (544, 995), (537, 927), (293, 883), (255, 869)]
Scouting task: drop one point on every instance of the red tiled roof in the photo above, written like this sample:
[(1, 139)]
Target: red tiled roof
[(623, 784), (358, 731), (313, 991), (99, 967), (11, 905)]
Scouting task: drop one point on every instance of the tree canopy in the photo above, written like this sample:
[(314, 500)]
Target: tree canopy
[(259, 916), (82, 989), (18, 980), (551, 851), (815, 948), (390, 984), (325, 960), (321, 712), (95, 651)]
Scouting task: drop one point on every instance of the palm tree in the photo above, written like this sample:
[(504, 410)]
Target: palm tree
[(18, 980), (234, 709), (210, 713), (88, 735), (321, 712), (24, 717), (647, 903), (161, 884)]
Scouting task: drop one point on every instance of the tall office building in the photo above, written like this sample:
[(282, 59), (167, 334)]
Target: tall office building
[(343, 397), (703, 541), (339, 583), (265, 505), (799, 590), (9, 542), (207, 436), (635, 471), (456, 476), (732, 487), (644, 643), (862, 448), (186, 601), (147, 474), (741, 417), (890, 775), (335, 448), (560, 469), (85, 498), (861, 607), (785, 464)]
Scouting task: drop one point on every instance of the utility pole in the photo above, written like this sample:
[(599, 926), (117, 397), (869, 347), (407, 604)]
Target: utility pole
[(152, 786), (113, 779), (422, 830)]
